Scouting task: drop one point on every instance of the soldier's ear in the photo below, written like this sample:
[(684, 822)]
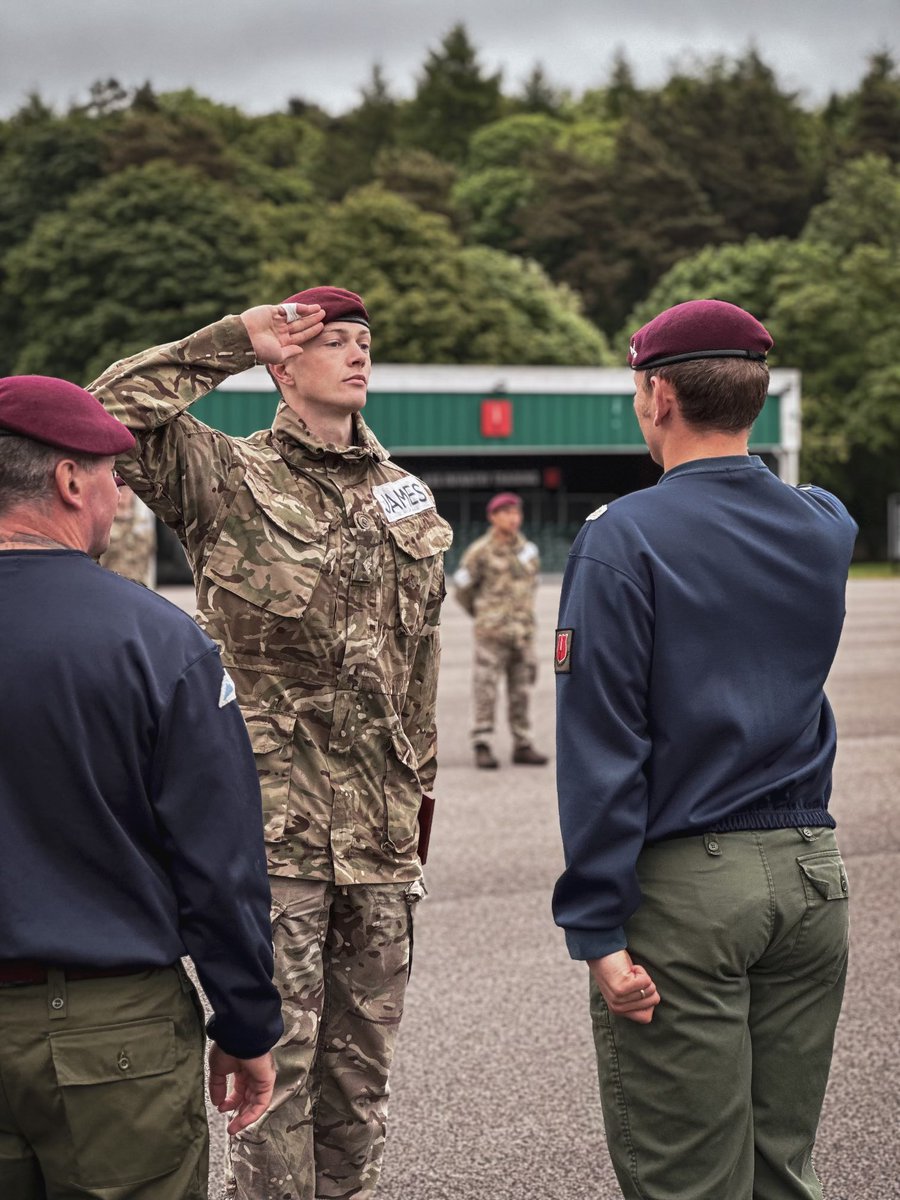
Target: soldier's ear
[(278, 375)]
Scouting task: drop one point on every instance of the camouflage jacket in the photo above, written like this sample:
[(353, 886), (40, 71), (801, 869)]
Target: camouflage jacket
[(319, 573), (132, 541), (496, 584)]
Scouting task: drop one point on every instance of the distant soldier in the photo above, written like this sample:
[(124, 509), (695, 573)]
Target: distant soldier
[(319, 572), (496, 584), (132, 540)]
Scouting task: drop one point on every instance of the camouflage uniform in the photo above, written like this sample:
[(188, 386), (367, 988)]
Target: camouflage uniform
[(319, 574), (496, 584), (132, 541)]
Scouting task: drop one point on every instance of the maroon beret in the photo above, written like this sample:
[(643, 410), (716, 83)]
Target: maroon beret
[(503, 500), (61, 414), (698, 329), (339, 304)]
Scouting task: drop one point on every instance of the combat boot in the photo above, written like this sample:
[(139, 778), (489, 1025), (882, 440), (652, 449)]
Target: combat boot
[(484, 757), (529, 757)]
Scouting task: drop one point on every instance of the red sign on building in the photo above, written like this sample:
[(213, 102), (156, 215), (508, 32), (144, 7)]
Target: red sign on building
[(496, 418)]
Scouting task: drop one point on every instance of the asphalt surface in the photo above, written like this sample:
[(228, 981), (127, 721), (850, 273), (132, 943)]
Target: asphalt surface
[(494, 1086)]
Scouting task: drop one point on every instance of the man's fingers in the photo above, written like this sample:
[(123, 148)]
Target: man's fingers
[(218, 1085), (250, 1112)]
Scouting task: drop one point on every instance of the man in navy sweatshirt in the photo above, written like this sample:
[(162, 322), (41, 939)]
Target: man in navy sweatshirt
[(130, 836), (703, 884)]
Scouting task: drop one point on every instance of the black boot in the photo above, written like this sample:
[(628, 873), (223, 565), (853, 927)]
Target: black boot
[(484, 757)]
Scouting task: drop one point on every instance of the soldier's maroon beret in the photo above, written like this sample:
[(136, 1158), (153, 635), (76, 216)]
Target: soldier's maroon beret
[(503, 500), (698, 329), (339, 304), (60, 414)]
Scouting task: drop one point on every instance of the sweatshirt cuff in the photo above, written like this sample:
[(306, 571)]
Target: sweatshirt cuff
[(584, 944), (246, 1045)]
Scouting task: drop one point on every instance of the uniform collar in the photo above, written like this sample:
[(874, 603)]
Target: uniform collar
[(721, 463), (293, 439)]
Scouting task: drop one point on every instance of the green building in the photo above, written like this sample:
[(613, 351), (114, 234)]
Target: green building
[(565, 438)]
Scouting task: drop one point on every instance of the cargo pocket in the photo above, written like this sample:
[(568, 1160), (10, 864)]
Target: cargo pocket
[(272, 738), (124, 1108), (417, 548), (823, 941), (402, 798)]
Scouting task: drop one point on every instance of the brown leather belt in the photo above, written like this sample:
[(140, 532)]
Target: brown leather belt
[(20, 971)]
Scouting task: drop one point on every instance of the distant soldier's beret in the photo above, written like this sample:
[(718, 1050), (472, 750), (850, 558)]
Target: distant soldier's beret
[(339, 304), (698, 329), (61, 414), (503, 500)]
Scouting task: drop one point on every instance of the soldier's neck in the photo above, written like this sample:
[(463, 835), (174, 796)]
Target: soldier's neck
[(21, 530), (326, 424)]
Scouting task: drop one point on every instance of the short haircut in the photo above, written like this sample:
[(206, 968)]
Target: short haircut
[(722, 394), (27, 468)]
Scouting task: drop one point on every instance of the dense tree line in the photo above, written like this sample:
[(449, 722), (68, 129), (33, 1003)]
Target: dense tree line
[(482, 225)]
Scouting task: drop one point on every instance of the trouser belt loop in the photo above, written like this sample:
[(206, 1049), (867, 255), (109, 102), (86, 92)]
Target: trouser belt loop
[(56, 993), (712, 844)]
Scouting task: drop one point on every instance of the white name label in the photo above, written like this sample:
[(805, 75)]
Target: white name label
[(402, 497)]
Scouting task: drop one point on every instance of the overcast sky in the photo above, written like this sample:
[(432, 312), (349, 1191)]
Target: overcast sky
[(257, 55)]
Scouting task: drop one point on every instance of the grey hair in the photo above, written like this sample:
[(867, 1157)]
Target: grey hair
[(27, 469)]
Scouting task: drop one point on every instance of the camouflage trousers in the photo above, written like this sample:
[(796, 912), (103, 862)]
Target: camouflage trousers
[(342, 957), (517, 664)]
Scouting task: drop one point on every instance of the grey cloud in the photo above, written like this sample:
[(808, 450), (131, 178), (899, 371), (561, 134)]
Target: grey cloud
[(257, 58)]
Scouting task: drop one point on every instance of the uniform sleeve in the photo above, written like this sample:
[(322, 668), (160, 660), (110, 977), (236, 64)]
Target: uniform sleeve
[(205, 794), (466, 581), (420, 704), (603, 745), (180, 465)]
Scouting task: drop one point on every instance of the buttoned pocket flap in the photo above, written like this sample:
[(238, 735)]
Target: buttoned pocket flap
[(827, 876), (421, 536), (112, 1053)]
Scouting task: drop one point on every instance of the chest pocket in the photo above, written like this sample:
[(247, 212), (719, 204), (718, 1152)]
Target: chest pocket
[(271, 549), (417, 545)]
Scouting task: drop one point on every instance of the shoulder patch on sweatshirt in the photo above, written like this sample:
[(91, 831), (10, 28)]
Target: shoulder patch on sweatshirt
[(227, 691), (562, 654), (598, 512)]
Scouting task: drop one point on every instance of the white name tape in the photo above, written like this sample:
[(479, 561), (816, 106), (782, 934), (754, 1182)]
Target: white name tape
[(402, 497)]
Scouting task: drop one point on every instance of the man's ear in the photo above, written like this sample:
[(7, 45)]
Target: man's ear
[(279, 374), (664, 399), (67, 476)]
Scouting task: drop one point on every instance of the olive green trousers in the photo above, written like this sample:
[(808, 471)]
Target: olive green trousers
[(745, 936), (101, 1089)]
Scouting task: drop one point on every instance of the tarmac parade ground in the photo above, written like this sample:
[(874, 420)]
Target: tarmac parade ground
[(494, 1085)]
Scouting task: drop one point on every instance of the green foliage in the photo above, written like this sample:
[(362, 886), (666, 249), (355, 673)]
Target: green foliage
[(431, 299), (43, 160), (453, 98), (138, 258), (511, 141), (746, 143), (490, 201), (417, 176)]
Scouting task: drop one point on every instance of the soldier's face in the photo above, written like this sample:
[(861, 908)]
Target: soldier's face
[(507, 520), (333, 370)]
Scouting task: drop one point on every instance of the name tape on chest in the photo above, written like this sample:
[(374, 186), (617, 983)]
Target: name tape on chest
[(402, 497)]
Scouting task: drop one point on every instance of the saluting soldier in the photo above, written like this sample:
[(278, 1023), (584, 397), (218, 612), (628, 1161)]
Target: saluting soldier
[(496, 584), (318, 567)]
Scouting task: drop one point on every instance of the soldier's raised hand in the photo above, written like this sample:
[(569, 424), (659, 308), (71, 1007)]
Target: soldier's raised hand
[(277, 335)]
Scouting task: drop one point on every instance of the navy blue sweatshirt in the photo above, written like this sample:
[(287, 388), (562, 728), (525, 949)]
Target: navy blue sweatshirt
[(704, 614), (130, 812)]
